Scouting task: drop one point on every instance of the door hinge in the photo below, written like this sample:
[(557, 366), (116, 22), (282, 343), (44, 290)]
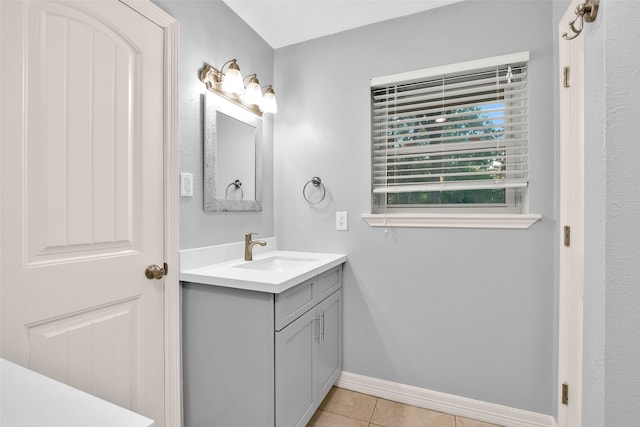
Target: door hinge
[(565, 80), (565, 394), (567, 236)]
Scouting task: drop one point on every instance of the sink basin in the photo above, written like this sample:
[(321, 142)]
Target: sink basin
[(280, 264)]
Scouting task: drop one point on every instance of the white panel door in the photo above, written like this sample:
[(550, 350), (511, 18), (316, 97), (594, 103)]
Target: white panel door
[(82, 197)]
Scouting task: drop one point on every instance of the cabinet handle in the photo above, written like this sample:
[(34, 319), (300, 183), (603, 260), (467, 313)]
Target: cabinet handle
[(316, 329), (322, 328)]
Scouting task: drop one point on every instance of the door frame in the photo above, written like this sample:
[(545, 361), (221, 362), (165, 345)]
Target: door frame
[(571, 207), (171, 327)]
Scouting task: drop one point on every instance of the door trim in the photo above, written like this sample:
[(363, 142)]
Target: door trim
[(172, 371), (571, 206)]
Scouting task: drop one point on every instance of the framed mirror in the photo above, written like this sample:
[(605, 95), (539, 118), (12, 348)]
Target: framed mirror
[(232, 156)]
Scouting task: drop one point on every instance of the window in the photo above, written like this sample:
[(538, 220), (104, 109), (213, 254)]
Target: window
[(451, 139)]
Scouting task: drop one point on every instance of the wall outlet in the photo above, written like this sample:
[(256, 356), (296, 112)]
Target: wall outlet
[(186, 184), (342, 221)]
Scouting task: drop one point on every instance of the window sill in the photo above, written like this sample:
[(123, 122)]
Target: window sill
[(452, 220)]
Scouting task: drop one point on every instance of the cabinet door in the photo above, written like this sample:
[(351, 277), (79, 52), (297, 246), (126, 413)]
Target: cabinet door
[(295, 354), (329, 354)]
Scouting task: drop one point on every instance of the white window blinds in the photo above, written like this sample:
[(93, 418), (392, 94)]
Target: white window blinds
[(445, 130)]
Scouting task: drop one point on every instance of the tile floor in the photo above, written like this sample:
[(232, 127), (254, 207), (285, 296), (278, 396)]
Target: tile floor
[(346, 408)]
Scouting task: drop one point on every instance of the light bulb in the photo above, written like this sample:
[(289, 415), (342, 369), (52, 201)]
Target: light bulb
[(253, 93), (232, 81), (269, 104)]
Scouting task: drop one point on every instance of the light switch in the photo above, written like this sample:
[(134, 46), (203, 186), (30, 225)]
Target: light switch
[(342, 221), (186, 184)]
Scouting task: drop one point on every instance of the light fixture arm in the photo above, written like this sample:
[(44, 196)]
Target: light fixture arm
[(253, 76), (231, 64)]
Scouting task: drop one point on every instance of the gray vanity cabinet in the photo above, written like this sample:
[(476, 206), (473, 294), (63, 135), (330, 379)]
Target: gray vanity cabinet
[(257, 358), (227, 357)]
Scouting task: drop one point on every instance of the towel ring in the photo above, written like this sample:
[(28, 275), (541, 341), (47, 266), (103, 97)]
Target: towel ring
[(317, 183), (238, 186)]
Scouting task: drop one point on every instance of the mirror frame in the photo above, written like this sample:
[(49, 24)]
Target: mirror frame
[(212, 104)]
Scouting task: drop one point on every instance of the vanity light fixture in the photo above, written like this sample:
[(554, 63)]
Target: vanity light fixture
[(227, 86), (269, 104)]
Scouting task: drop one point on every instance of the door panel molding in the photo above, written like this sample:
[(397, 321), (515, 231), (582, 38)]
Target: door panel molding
[(75, 52), (117, 380)]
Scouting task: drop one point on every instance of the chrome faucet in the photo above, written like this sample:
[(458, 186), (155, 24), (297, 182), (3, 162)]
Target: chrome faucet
[(249, 244)]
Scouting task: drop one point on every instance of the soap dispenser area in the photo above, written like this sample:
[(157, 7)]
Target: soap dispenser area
[(262, 339)]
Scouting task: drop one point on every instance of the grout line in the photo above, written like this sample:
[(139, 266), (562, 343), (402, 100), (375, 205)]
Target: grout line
[(345, 416), (374, 410)]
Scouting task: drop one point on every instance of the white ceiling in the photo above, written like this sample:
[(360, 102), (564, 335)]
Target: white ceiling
[(285, 22)]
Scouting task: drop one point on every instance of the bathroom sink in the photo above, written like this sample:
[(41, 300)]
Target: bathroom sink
[(276, 263), (272, 271)]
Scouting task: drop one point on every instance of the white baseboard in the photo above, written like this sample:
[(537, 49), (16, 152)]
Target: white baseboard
[(442, 402)]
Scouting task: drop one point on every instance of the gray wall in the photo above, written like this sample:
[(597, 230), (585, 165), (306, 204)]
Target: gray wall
[(622, 246), (211, 32), (466, 312), (612, 295), (595, 229)]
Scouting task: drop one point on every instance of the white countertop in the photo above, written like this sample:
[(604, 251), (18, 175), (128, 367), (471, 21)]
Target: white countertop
[(29, 399), (228, 274)]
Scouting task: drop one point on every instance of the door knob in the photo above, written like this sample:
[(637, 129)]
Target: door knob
[(154, 272)]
